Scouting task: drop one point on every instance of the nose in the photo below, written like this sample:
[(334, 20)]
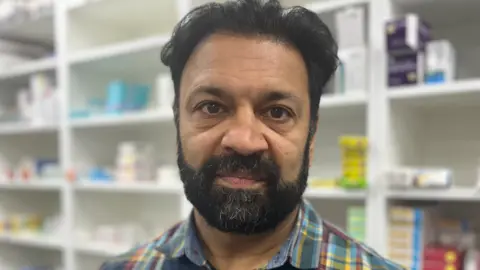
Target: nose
[(244, 136)]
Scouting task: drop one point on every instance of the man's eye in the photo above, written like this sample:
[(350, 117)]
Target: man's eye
[(212, 108), (278, 113)]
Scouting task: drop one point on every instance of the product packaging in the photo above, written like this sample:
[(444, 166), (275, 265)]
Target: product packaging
[(353, 70), (408, 34), (350, 25), (440, 64), (406, 69)]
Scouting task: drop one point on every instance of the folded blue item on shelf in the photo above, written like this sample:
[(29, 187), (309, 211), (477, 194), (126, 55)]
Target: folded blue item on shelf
[(138, 97), (116, 97), (100, 175), (77, 114)]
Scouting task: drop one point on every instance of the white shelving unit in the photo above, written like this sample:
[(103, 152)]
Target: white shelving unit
[(105, 39)]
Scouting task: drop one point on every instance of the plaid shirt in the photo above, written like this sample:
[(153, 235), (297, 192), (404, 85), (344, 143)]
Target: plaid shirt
[(313, 244)]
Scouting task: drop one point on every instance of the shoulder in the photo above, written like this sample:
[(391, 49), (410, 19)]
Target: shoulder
[(142, 256), (342, 250)]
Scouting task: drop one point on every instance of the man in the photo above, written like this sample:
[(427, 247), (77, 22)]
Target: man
[(248, 77)]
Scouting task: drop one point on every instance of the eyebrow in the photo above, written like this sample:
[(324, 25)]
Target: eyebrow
[(269, 96), (276, 95)]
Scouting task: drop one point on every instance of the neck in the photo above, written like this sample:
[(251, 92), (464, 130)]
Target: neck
[(222, 248)]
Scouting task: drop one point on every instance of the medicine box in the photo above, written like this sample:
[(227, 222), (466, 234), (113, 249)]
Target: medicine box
[(408, 34), (440, 63), (350, 23), (406, 69), (353, 70)]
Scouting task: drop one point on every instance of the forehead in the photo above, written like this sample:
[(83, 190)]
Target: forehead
[(233, 62)]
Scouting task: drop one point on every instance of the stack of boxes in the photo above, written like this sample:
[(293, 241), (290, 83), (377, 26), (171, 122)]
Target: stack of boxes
[(406, 42), (354, 155), (413, 58), (134, 162), (443, 258), (351, 77), (356, 220), (410, 230)]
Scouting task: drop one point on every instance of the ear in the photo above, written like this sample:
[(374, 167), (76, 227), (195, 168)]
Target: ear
[(311, 147)]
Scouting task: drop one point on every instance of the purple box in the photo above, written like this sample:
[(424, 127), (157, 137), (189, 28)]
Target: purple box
[(406, 35), (406, 69)]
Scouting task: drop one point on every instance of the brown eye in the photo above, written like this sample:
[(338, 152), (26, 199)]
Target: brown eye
[(212, 108), (278, 113)]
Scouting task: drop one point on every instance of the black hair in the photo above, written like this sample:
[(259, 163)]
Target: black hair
[(296, 26)]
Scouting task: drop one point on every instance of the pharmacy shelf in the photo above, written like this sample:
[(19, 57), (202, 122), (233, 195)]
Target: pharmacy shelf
[(122, 188), (28, 68), (332, 5), (150, 44), (101, 249), (116, 10), (39, 28), (33, 240), (45, 185), (92, 53), (453, 194), (127, 119), (459, 93), (24, 128), (335, 194), (345, 101)]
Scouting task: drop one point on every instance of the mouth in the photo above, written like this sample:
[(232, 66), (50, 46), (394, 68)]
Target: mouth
[(240, 180)]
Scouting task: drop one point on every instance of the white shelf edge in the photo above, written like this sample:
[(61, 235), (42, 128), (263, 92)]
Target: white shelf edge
[(453, 194), (101, 249), (40, 185), (29, 68), (149, 116), (425, 91), (333, 193), (119, 49), (140, 188), (32, 240), (332, 5), (25, 128), (337, 100)]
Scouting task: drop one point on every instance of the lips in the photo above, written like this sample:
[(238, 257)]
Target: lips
[(240, 179), (244, 176)]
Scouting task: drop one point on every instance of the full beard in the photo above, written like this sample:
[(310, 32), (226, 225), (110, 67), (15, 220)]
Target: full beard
[(242, 211)]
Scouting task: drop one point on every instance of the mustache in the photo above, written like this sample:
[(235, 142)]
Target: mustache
[(256, 165)]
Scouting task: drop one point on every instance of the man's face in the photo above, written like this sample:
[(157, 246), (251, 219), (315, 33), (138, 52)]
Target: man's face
[(244, 116)]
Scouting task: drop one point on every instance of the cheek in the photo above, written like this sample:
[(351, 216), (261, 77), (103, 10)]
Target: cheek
[(288, 152), (292, 164), (197, 147)]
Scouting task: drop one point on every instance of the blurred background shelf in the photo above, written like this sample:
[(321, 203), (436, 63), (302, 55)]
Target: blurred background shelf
[(336, 194), (453, 194), (34, 240)]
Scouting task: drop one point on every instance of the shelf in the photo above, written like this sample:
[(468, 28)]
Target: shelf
[(342, 106), (128, 15), (45, 185), (137, 188), (437, 11), (32, 240), (39, 29), (157, 116), (25, 128), (453, 194), (332, 5), (29, 68), (101, 249), (334, 101), (455, 94), (336, 194), (145, 45)]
